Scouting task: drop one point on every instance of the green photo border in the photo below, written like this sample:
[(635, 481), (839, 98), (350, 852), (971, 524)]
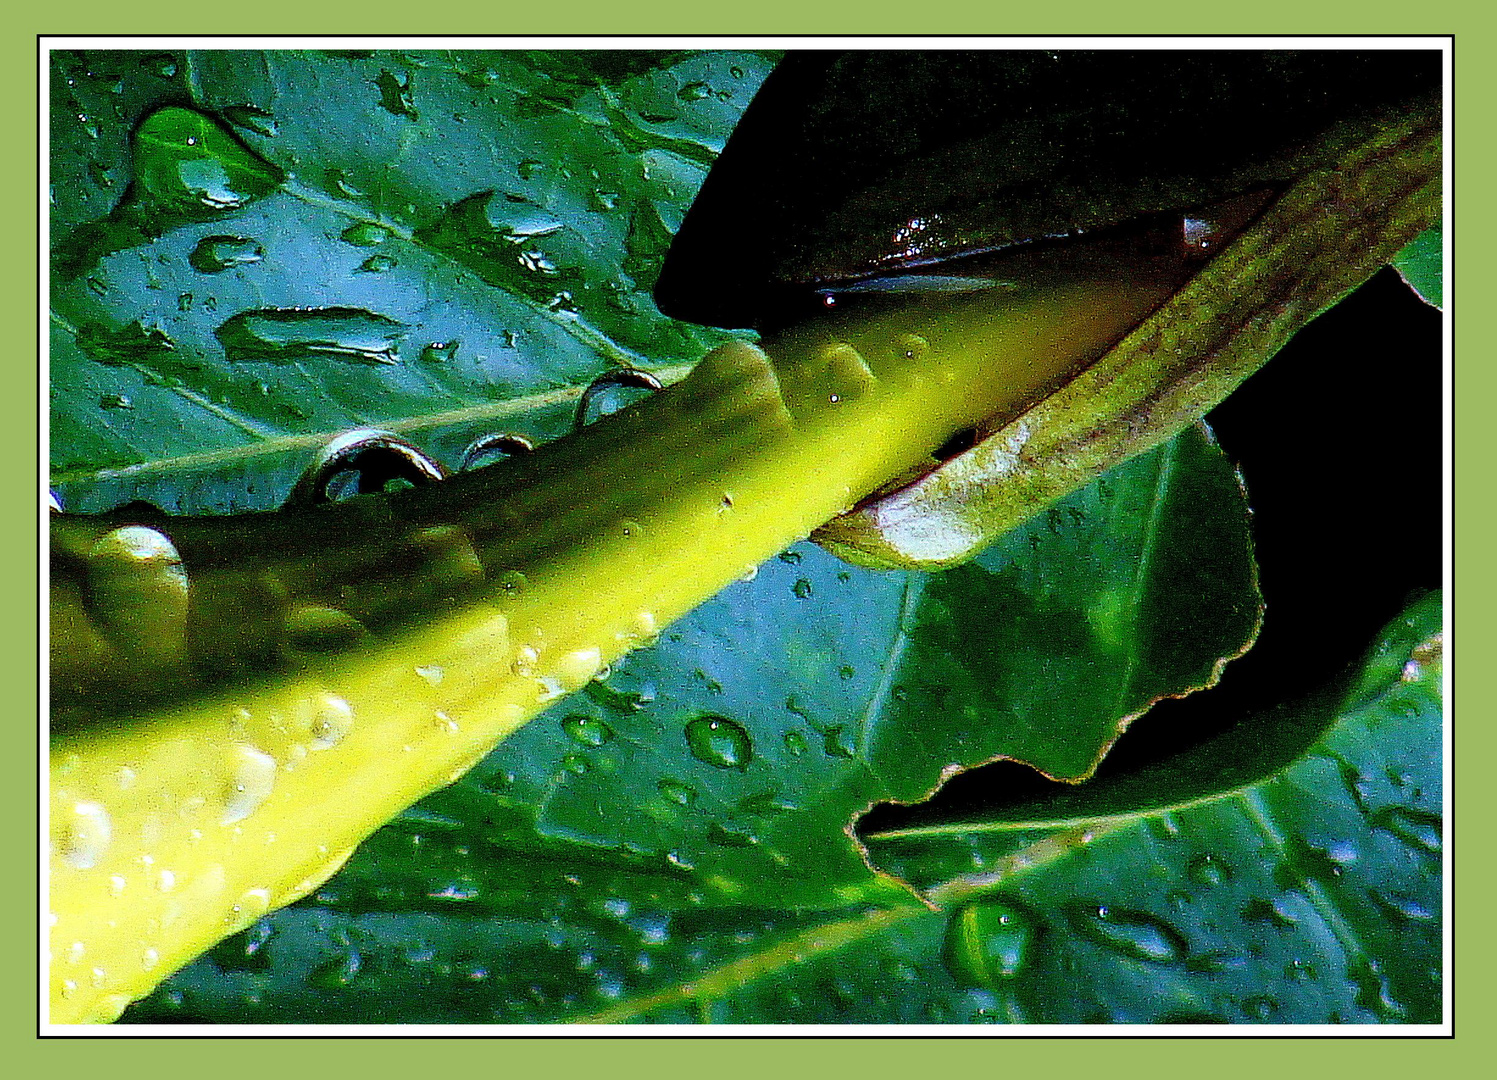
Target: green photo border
[(710, 1056)]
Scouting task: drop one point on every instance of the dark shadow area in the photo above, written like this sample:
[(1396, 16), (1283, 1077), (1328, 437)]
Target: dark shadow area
[(1338, 439)]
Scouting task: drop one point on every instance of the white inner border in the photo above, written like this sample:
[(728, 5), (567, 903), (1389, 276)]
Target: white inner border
[(46, 45)]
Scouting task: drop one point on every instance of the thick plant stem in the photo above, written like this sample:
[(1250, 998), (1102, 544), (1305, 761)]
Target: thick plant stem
[(278, 686), (1322, 238)]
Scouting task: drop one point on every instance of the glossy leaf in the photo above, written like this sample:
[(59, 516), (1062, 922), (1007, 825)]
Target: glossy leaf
[(673, 843)]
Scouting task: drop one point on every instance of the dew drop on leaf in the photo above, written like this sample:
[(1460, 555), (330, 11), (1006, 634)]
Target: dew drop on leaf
[(1134, 934), (586, 730), (719, 742), (989, 941), (1207, 869), (676, 792), (214, 255)]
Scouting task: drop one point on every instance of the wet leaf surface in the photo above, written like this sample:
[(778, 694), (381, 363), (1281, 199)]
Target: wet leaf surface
[(674, 842)]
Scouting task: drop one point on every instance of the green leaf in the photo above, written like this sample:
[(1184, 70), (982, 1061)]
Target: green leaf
[(1309, 896), (674, 843), (1422, 265), (711, 779)]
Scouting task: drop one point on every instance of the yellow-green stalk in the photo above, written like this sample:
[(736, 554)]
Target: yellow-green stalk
[(178, 820)]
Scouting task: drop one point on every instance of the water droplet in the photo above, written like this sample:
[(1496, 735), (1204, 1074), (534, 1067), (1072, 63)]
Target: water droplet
[(530, 168), (575, 764), (676, 792), (253, 119), (84, 836), (731, 838), (336, 973), (989, 941), (149, 959), (802, 589), (512, 584), (432, 673), (251, 780), (586, 730), (215, 254), (1259, 1007), (290, 335), (365, 234), (848, 376), (396, 95), (795, 742), (1259, 910), (643, 629), (115, 401), (330, 721), (575, 669), (1134, 934), (719, 742), (911, 347), (1207, 869), (525, 660), (250, 906), (377, 264), (116, 885), (1419, 829), (188, 164), (1402, 907), (439, 352), (138, 591)]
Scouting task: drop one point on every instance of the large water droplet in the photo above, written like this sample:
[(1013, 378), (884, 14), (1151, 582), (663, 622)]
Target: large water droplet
[(575, 669), (84, 835), (498, 239), (526, 657), (330, 722), (289, 335), (215, 254), (251, 780), (586, 730), (188, 164), (1135, 934), (989, 941), (720, 742), (138, 592)]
